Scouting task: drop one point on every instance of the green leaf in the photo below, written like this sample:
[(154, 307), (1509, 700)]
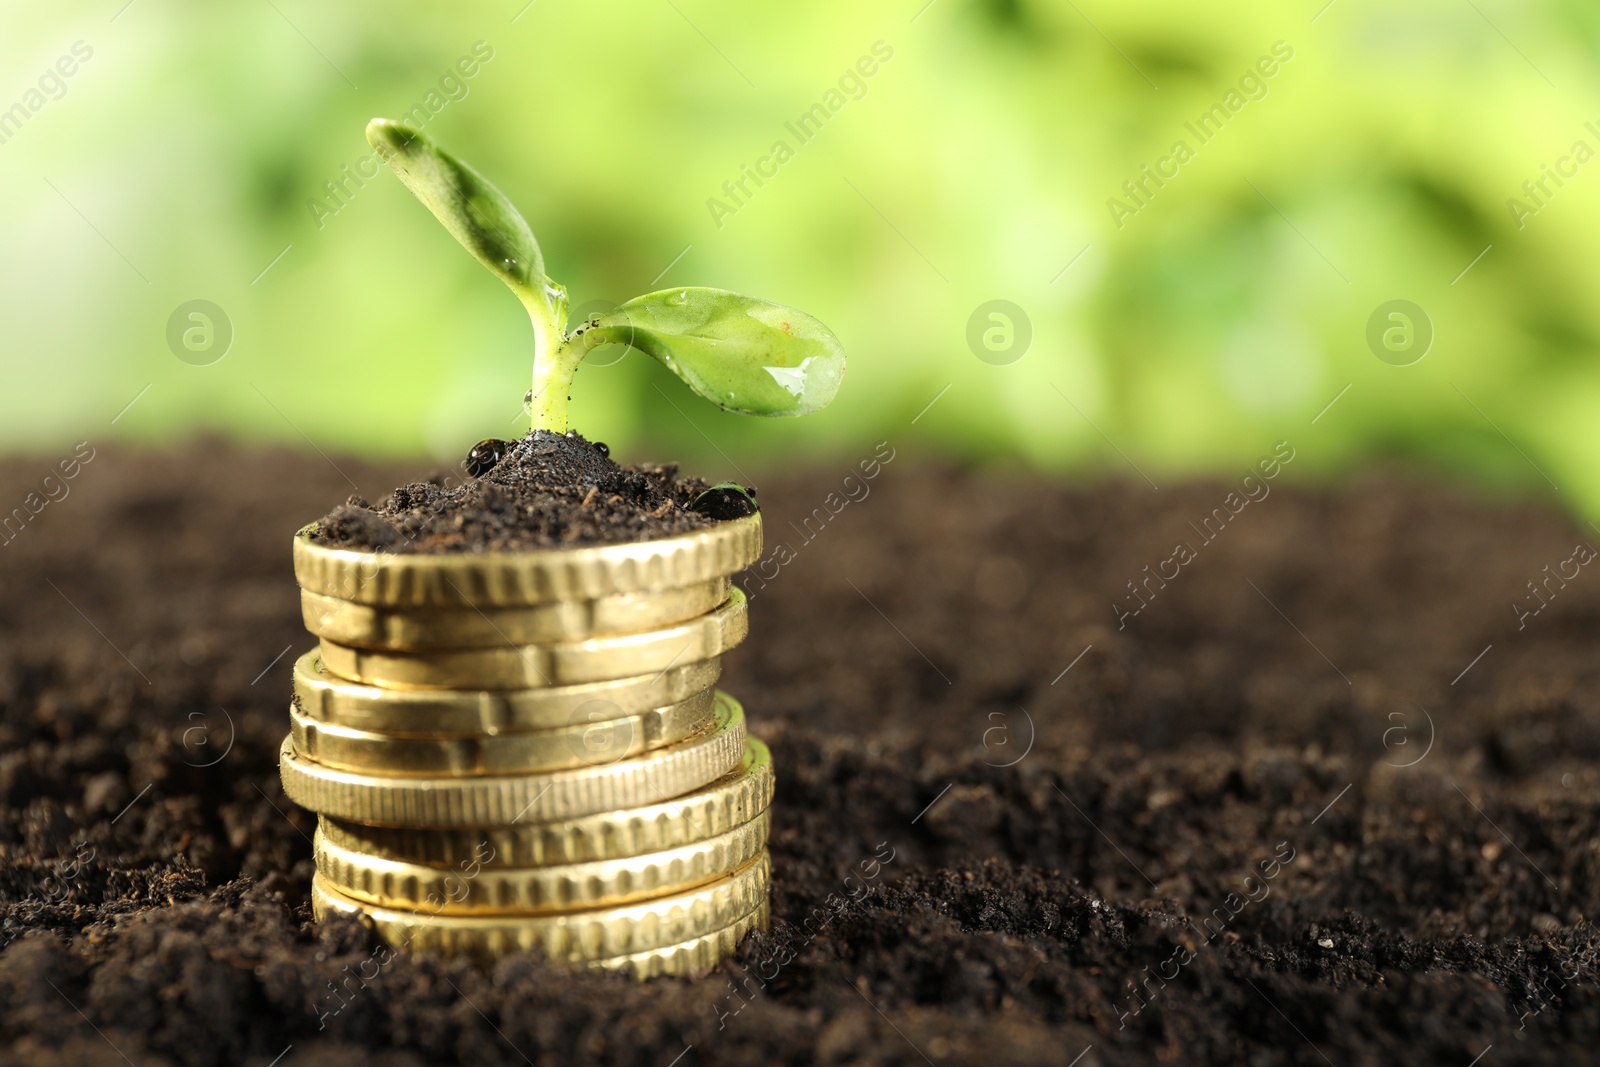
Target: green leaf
[(476, 213), (740, 353)]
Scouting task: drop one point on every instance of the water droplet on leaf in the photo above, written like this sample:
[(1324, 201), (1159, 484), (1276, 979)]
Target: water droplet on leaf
[(793, 379)]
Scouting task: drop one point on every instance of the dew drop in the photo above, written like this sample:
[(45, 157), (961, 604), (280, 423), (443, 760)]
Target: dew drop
[(679, 298), (485, 456), (729, 500), (792, 379)]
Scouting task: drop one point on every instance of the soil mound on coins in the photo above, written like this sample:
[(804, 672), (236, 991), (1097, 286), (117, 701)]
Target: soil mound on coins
[(547, 490), (1006, 828)]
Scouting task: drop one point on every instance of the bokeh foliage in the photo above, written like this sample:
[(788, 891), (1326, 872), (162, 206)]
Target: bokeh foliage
[(976, 164)]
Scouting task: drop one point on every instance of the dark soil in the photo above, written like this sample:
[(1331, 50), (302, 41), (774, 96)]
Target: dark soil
[(1281, 788), (546, 490)]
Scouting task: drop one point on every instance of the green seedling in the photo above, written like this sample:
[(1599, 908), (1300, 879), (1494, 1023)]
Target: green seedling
[(740, 353)]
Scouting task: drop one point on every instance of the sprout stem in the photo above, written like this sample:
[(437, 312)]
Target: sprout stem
[(555, 361)]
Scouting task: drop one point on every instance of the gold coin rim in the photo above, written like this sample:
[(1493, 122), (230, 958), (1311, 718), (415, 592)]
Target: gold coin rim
[(501, 891), (479, 755), (695, 956), (328, 698), (731, 800), (508, 579), (499, 800), (543, 666), (428, 629), (584, 936)]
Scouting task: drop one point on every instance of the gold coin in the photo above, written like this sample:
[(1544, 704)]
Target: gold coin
[(724, 805), (473, 888), (418, 629), (598, 659), (504, 800), (508, 579), (596, 736), (694, 956), (322, 696), (592, 934)]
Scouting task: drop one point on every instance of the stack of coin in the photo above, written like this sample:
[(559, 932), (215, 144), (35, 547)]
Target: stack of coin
[(527, 751)]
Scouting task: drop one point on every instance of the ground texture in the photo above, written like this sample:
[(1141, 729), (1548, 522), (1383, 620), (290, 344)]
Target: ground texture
[(1269, 820)]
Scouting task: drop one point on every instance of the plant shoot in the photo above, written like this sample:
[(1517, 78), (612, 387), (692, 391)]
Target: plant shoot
[(740, 353)]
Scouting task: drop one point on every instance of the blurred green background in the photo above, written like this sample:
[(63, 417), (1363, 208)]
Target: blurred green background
[(185, 158)]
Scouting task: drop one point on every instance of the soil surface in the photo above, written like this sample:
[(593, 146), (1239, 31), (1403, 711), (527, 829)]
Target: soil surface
[(1330, 797), (545, 490)]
